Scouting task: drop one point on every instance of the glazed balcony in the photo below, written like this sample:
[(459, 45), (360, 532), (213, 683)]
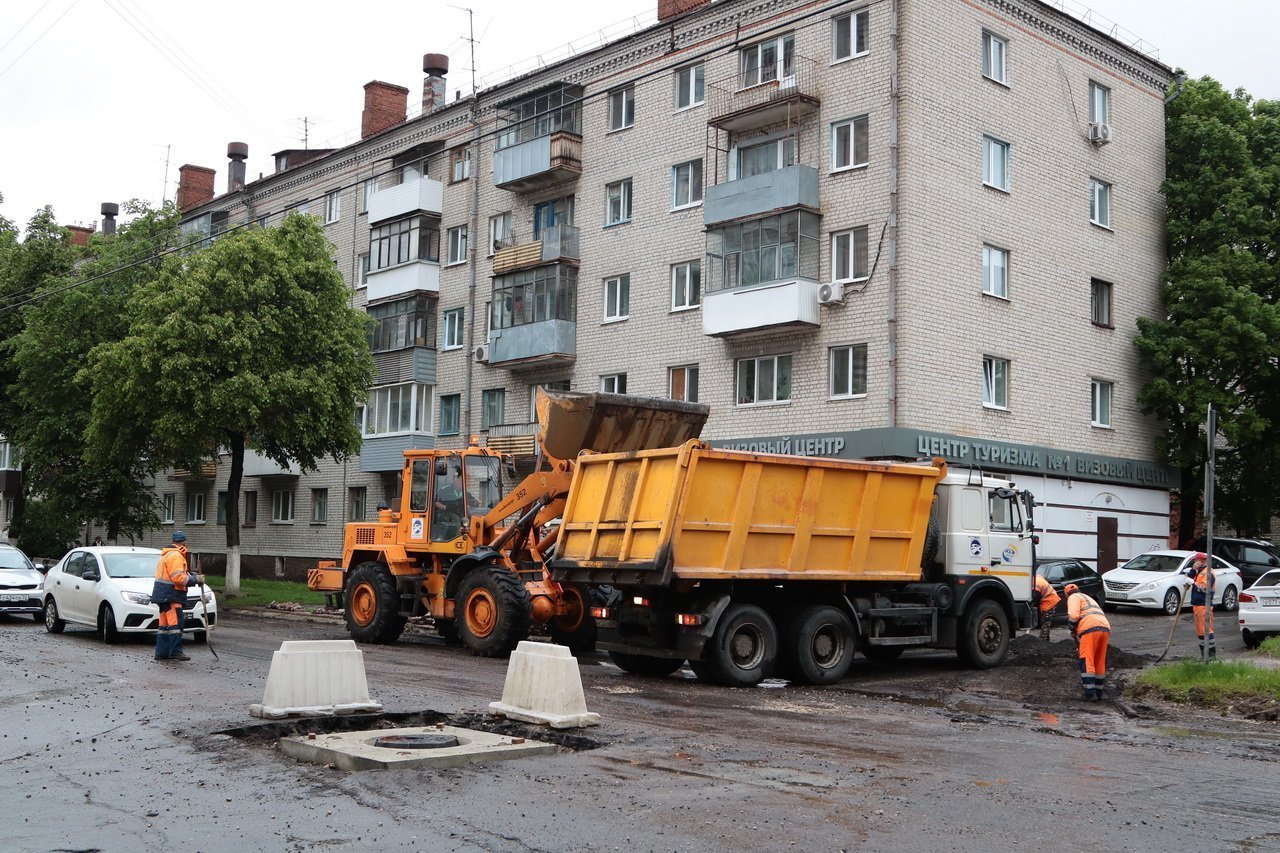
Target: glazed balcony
[(538, 163), (414, 195), (559, 243), (781, 189)]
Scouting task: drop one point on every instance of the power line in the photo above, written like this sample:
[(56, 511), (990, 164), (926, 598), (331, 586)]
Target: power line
[(39, 38), (34, 15)]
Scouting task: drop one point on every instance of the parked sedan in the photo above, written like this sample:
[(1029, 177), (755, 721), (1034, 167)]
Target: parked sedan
[(1157, 579), (1059, 572), (21, 585), (1260, 610), (108, 588)]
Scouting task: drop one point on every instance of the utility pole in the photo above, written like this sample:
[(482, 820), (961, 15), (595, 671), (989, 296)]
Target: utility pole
[(1208, 652)]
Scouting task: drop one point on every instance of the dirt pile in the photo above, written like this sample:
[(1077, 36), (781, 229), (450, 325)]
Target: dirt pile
[(1030, 650)]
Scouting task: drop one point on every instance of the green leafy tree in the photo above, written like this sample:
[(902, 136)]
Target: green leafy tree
[(53, 392), (1219, 341), (248, 342)]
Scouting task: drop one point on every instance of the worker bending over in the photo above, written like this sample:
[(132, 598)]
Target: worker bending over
[(1047, 599), (1092, 630)]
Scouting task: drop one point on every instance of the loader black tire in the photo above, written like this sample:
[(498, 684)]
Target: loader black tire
[(577, 628), (645, 664), (448, 630), (373, 607), (492, 611), (817, 645), (744, 648), (984, 635)]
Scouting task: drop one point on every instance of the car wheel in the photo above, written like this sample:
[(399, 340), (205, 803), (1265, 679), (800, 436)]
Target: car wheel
[(1230, 599), (1172, 601), (52, 623), (200, 637), (107, 625)]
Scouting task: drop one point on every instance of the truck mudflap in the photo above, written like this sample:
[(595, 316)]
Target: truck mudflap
[(637, 627)]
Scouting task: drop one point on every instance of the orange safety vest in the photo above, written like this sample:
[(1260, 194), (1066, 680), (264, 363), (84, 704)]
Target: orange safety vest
[(1049, 597), (1203, 578), (1085, 615), (171, 576)]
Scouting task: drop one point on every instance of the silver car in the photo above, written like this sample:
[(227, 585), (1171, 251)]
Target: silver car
[(21, 584)]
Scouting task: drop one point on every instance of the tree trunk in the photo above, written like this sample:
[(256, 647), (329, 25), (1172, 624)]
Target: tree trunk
[(236, 442), (1189, 506)]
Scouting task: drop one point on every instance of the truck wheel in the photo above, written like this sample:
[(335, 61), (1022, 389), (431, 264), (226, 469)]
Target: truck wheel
[(817, 646), (984, 636), (373, 608), (645, 664), (492, 611), (577, 627), (744, 647), (448, 630)]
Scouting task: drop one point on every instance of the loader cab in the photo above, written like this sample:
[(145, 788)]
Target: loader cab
[(444, 490)]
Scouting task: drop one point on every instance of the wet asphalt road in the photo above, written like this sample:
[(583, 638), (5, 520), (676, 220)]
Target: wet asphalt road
[(104, 749)]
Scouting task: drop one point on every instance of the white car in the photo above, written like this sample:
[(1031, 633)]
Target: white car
[(1260, 609), (108, 588), (1157, 579)]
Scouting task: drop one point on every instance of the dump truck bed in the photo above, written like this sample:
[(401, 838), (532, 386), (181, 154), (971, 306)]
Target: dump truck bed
[(700, 513)]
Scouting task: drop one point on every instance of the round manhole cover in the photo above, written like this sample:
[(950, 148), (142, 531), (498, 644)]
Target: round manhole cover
[(422, 741)]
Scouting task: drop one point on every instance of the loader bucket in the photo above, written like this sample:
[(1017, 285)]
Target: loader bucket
[(570, 422)]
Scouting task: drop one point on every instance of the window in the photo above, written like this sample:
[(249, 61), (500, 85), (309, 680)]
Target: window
[(460, 164), (682, 383), (319, 506), (995, 272), (1100, 302), (773, 248), (614, 383), (500, 232), (849, 144), (362, 270), (282, 507), (1100, 203), (453, 328), (849, 35), (398, 408), (1100, 414), (764, 157), (493, 403), (686, 285), (357, 498), (450, 406), (250, 509), (457, 245), (195, 508), (690, 89), (622, 108), (768, 61), (367, 189), (686, 184), (617, 202), (332, 206), (849, 255), (408, 322), (221, 510), (995, 382), (764, 380), (617, 297), (994, 51), (995, 163), (555, 110), (1099, 103), (166, 510), (402, 241), (849, 371)]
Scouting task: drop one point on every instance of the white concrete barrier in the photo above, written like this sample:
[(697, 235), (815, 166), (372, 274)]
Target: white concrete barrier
[(544, 686), (315, 677)]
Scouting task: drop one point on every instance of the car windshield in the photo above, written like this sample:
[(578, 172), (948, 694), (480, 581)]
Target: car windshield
[(1161, 563), (131, 565), (13, 559)]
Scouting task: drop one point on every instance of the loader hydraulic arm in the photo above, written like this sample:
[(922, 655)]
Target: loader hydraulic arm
[(550, 488)]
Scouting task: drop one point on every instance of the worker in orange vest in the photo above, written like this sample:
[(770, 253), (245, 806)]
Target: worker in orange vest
[(1092, 630), (169, 592), (1047, 598), (1202, 588)]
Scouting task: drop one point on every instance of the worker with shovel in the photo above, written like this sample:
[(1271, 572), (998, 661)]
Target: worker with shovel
[(1202, 589), (170, 593), (1092, 630), (1047, 599)]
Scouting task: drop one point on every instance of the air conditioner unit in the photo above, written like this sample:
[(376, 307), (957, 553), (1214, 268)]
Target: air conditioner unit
[(1099, 133), (830, 293), (481, 354)]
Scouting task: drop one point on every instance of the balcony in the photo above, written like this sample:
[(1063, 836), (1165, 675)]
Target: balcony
[(403, 279), (763, 307), (548, 343), (257, 465), (559, 243), (515, 439), (415, 195), (538, 163), (782, 189), (386, 452), (413, 364), (738, 103)]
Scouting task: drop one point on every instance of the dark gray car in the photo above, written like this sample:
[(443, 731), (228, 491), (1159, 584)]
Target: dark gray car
[(1060, 571), (1253, 557)]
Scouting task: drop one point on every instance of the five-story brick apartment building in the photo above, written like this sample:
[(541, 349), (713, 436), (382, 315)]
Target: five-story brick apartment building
[(888, 229)]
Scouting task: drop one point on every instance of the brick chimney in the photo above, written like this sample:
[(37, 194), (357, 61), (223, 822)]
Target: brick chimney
[(668, 9), (435, 66), (237, 152), (80, 234), (109, 212), (385, 105), (195, 185)]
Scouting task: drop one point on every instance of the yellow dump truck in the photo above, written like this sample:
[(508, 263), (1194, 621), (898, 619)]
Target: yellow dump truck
[(751, 564)]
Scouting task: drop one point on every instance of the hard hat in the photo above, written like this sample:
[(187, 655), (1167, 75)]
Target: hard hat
[(1200, 556), (179, 536), (1070, 588)]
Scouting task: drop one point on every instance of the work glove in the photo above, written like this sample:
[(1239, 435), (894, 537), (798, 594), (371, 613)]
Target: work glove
[(198, 579)]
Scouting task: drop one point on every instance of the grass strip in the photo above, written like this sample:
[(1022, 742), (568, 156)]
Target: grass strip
[(255, 592), (1193, 681)]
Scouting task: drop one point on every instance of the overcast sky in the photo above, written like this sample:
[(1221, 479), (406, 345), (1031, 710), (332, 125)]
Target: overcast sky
[(102, 100)]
